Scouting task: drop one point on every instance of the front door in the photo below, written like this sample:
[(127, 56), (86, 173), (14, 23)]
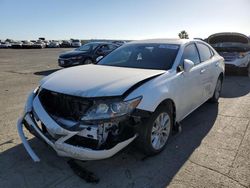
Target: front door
[(189, 83)]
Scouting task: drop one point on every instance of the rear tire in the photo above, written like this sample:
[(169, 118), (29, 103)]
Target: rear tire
[(217, 91), (155, 131)]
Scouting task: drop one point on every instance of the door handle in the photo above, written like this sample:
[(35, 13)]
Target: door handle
[(202, 71), (217, 64)]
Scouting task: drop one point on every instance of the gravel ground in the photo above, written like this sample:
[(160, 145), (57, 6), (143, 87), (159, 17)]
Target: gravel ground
[(213, 149)]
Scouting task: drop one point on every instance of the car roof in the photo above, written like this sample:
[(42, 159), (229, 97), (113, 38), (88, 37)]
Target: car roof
[(163, 41)]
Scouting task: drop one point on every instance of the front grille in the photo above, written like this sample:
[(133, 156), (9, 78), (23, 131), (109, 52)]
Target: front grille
[(62, 105)]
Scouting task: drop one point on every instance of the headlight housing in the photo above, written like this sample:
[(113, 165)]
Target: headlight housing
[(242, 55), (106, 110)]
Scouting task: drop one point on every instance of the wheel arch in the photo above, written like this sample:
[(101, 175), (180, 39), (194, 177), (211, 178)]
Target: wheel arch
[(221, 76), (171, 102)]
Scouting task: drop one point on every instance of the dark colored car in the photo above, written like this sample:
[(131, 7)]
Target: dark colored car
[(86, 54)]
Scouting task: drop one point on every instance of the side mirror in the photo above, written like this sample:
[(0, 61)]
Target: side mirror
[(188, 65), (98, 58)]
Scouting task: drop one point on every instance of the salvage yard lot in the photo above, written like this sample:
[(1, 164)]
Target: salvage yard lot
[(213, 149)]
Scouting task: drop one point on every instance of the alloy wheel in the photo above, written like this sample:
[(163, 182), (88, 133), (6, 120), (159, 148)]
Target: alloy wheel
[(160, 131)]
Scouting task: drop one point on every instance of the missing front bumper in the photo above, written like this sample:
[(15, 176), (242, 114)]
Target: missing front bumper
[(59, 145)]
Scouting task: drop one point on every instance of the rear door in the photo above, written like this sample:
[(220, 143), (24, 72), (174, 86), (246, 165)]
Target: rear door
[(208, 66)]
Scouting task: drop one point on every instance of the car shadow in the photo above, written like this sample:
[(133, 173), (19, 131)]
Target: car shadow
[(235, 87), (46, 72), (128, 168)]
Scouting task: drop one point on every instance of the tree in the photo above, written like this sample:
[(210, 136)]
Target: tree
[(183, 35)]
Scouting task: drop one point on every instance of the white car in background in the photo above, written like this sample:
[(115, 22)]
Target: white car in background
[(76, 43), (39, 44), (235, 48), (16, 44), (140, 92), (54, 44), (27, 44), (5, 45)]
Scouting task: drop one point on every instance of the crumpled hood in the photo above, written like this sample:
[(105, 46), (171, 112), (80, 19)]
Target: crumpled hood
[(96, 80)]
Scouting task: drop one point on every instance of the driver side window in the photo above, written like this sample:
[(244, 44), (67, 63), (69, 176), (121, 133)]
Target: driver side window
[(191, 53)]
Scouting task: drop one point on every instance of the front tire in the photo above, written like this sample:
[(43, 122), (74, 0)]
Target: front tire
[(155, 132)]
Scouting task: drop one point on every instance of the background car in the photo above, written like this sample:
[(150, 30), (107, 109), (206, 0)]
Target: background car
[(76, 43), (46, 42), (5, 45), (235, 48), (39, 44), (65, 44), (27, 44), (86, 54), (54, 44), (16, 45)]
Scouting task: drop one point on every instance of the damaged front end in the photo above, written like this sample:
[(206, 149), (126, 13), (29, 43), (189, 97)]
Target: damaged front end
[(80, 128)]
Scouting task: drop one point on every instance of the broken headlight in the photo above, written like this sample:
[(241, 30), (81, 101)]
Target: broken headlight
[(111, 109)]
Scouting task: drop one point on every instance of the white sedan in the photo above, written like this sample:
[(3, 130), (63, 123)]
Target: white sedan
[(139, 92)]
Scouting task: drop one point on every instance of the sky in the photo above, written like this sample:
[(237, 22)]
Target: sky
[(121, 19)]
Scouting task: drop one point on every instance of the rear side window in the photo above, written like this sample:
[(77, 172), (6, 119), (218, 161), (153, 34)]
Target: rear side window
[(191, 53), (205, 52)]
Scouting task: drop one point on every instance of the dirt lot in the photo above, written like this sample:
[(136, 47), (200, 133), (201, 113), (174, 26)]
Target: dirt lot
[(213, 149)]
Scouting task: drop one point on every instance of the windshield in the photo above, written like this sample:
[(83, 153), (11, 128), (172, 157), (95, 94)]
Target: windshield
[(76, 41), (145, 56), (87, 47)]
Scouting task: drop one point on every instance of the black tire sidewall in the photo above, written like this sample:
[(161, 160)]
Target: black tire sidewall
[(214, 99), (146, 130)]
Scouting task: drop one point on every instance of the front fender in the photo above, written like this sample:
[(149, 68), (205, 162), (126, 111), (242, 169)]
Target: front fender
[(153, 93)]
